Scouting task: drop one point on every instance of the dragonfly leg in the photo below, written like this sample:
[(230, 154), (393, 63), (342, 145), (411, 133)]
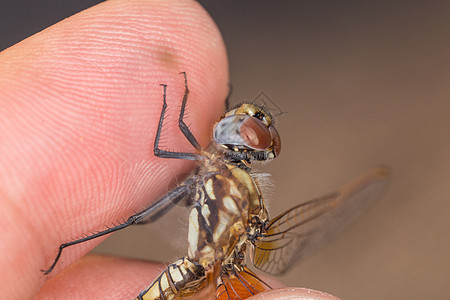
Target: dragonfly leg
[(239, 283), (183, 127), (174, 197), (148, 215)]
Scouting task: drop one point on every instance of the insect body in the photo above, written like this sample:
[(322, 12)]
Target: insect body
[(228, 216), (226, 199)]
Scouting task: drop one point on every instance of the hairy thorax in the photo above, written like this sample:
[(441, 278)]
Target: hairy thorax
[(227, 198)]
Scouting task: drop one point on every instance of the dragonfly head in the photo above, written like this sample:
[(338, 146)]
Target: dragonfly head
[(247, 130)]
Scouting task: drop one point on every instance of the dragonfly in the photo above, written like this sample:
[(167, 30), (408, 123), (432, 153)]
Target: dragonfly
[(228, 217)]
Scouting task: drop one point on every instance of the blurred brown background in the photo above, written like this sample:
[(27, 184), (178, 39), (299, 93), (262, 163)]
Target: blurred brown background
[(365, 83)]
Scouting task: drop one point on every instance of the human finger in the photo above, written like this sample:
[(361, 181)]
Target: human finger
[(293, 293), (101, 277), (80, 104)]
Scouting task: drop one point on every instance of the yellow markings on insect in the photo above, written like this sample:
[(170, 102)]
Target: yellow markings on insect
[(238, 228), (164, 282), (210, 189), (234, 191), (206, 213), (222, 225), (176, 273), (193, 232), (230, 205), (207, 257)]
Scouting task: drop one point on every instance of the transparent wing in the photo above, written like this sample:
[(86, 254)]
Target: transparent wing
[(303, 228)]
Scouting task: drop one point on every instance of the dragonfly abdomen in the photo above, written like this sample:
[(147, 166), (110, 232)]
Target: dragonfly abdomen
[(181, 279)]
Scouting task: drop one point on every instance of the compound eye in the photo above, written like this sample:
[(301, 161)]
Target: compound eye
[(255, 134), (276, 141)]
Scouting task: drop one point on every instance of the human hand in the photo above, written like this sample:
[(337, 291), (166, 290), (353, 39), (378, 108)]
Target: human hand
[(79, 108)]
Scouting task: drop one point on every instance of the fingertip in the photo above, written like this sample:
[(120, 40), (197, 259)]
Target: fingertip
[(101, 277), (81, 101), (120, 49), (294, 293)]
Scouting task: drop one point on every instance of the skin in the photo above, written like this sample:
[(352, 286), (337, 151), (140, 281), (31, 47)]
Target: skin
[(79, 108)]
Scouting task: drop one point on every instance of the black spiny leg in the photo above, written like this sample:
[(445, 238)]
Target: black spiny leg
[(183, 127), (164, 204), (148, 215)]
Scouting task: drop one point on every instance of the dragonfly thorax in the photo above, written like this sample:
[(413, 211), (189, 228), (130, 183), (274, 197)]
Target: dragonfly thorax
[(227, 198)]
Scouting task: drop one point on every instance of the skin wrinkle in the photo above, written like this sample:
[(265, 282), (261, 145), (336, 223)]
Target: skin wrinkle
[(104, 54)]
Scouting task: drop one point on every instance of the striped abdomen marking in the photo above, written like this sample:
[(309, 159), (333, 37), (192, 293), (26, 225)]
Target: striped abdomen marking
[(182, 278)]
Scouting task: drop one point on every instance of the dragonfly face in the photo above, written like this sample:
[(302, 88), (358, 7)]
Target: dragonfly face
[(248, 129), (228, 216)]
